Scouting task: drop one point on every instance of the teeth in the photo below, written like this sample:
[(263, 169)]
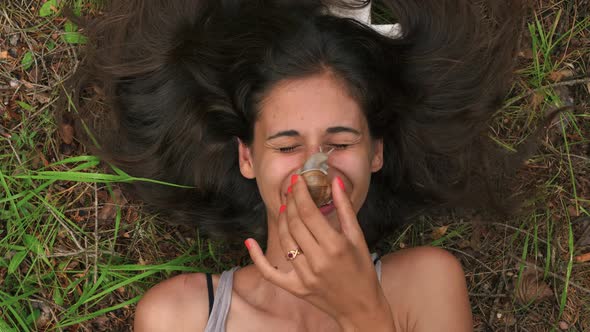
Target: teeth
[(330, 202)]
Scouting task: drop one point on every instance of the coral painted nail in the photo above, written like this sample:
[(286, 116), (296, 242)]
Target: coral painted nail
[(247, 243), (282, 209), (294, 178), (340, 183), (289, 189)]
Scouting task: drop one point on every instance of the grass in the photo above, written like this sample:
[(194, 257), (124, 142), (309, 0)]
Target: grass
[(76, 253)]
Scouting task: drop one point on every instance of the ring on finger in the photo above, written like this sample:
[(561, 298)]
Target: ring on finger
[(292, 254)]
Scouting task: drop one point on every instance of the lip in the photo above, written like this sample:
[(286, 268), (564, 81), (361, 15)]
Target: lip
[(327, 209)]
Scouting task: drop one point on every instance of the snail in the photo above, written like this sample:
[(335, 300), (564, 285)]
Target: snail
[(315, 173)]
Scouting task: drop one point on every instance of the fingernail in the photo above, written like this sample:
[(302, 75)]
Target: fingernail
[(294, 178), (289, 189), (340, 183), (283, 208), (247, 243)]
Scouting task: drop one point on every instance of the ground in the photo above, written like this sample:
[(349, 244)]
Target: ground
[(77, 251)]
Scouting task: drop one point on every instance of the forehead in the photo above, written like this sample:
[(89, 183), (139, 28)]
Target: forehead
[(314, 102)]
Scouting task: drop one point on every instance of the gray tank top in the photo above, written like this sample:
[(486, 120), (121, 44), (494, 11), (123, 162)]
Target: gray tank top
[(222, 300)]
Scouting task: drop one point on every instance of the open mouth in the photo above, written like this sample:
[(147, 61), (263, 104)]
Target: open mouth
[(327, 208)]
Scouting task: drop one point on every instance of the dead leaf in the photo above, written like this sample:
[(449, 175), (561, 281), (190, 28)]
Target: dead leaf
[(583, 258), (572, 211), (43, 97), (66, 132), (109, 210), (4, 55), (557, 76), (508, 318), (39, 159), (564, 326), (537, 99), (44, 314), (439, 232), (532, 288)]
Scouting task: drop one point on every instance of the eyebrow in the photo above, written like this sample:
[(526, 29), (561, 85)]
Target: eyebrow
[(331, 130)]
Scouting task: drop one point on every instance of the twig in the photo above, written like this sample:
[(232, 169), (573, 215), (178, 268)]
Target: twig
[(557, 276), (519, 230), (475, 259), (68, 254), (15, 153), (64, 225), (499, 290), (552, 85), (95, 233), (487, 295)]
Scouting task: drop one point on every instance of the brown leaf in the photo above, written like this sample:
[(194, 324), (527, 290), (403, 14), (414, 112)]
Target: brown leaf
[(66, 132), (583, 258), (43, 97), (557, 76), (532, 288), (4, 55), (44, 314), (564, 326), (439, 232), (572, 211), (109, 210), (537, 99)]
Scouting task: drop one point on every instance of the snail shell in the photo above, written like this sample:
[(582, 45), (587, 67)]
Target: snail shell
[(315, 173), (318, 185)]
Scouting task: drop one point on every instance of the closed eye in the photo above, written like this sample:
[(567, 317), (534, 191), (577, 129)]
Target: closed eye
[(288, 149), (339, 146)]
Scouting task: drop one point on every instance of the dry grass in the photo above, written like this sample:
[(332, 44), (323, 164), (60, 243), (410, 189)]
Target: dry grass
[(85, 245)]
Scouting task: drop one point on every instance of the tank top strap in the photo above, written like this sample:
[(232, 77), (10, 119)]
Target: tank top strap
[(221, 304), (377, 262)]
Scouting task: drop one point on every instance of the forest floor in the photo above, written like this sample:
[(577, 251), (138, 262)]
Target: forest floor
[(77, 252)]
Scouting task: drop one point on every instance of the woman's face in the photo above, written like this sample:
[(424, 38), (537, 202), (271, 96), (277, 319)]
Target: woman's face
[(299, 116)]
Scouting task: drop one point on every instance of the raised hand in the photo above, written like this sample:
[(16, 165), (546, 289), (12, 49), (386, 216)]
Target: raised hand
[(334, 272)]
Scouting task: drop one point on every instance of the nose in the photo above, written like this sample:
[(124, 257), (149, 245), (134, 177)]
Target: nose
[(316, 158)]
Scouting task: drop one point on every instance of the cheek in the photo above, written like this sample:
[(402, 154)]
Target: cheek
[(270, 177), (356, 169)]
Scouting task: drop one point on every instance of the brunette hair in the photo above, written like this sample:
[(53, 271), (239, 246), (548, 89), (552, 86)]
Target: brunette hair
[(182, 80)]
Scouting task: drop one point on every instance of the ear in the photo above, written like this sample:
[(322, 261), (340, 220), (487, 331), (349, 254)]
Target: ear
[(377, 160), (245, 159)]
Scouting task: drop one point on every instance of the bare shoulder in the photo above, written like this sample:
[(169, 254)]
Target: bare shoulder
[(180, 303), (427, 288)]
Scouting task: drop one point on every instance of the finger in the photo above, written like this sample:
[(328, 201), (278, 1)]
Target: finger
[(299, 232), (291, 226), (346, 214), (311, 216), (287, 280)]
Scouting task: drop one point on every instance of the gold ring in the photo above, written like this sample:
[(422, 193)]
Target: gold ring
[(293, 253)]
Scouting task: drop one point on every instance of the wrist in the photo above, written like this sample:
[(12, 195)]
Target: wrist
[(374, 319)]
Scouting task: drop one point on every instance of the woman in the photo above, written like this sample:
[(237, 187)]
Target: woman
[(232, 97)]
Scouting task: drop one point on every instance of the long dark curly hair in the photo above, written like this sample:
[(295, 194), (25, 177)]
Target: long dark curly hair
[(181, 81)]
